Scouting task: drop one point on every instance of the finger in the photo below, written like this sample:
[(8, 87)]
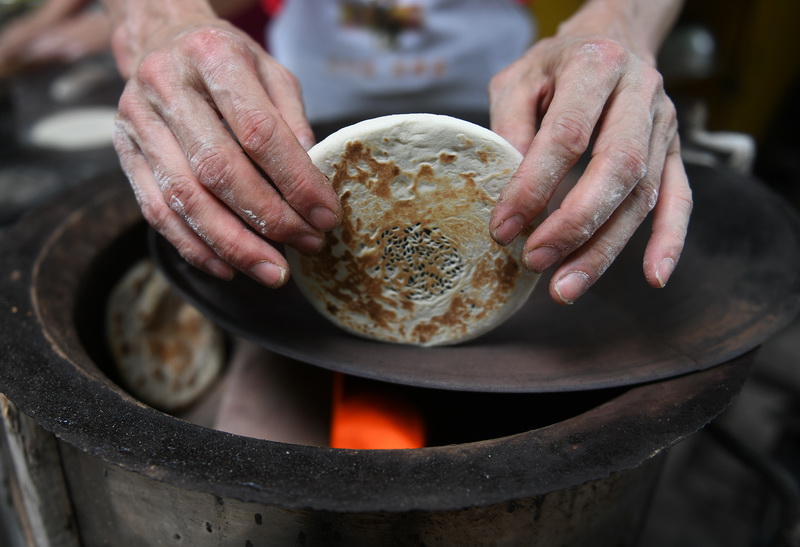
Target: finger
[(156, 212), (670, 220), (217, 162), (263, 133), (631, 143), (582, 86), (581, 269), (515, 98), (284, 90), (227, 173), (221, 230)]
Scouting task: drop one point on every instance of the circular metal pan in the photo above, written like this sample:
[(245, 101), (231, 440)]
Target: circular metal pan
[(737, 283)]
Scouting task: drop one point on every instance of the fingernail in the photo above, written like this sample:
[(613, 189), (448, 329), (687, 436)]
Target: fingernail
[(322, 218), (570, 287), (269, 274), (219, 269), (306, 243), (541, 258), (664, 271), (508, 229)]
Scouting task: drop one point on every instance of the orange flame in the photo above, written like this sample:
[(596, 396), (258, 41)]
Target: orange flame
[(367, 418)]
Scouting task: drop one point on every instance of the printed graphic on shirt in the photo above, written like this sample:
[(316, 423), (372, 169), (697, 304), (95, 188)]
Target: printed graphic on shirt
[(385, 18), (359, 57), (385, 36)]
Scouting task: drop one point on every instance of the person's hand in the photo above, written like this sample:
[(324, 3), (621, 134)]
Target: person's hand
[(564, 94), (58, 31), (212, 135)]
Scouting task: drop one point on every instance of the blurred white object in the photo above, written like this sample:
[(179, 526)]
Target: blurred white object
[(714, 148), (81, 80), (75, 129), (167, 353), (688, 53)]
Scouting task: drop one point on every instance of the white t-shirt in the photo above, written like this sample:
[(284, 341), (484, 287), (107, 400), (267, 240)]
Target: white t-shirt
[(358, 58)]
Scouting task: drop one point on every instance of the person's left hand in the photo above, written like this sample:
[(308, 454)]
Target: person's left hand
[(563, 97), (40, 38)]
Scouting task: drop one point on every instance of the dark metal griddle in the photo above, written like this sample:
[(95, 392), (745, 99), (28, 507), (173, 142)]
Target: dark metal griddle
[(59, 264), (737, 283)]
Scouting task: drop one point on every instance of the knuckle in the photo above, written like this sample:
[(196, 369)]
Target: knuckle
[(181, 196), (170, 183), (501, 80), (201, 39), (523, 193), (284, 224), (571, 131), (131, 109), (127, 103), (258, 131), (212, 166), (232, 247), (207, 41), (631, 158), (271, 219), (605, 51), (613, 52), (155, 70), (654, 80), (644, 198), (215, 50), (576, 229), (268, 220), (604, 253), (156, 213), (297, 190), (534, 197)]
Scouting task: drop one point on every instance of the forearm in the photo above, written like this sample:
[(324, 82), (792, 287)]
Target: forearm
[(641, 25)]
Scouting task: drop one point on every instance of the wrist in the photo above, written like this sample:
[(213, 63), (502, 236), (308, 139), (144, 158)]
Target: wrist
[(142, 25), (639, 25)]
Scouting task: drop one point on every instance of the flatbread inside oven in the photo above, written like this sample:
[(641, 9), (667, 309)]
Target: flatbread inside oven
[(165, 351)]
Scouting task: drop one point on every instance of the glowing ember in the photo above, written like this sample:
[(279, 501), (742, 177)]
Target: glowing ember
[(367, 418)]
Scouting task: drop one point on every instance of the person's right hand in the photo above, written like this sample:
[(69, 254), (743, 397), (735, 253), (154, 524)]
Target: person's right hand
[(205, 115)]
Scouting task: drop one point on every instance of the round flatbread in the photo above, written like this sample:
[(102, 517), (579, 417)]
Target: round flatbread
[(413, 261), (166, 353), (75, 129)]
